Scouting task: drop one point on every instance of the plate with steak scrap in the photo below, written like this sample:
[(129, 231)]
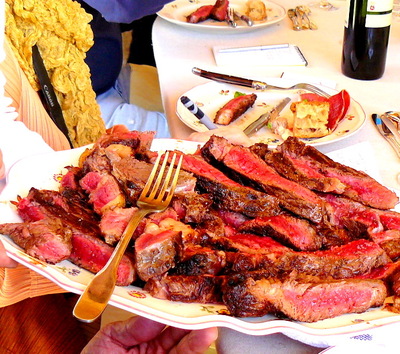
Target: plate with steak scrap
[(212, 96), (39, 178), (178, 11)]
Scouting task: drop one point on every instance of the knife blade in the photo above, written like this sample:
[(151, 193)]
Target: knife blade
[(52, 105), (386, 133), (228, 79), (263, 119)]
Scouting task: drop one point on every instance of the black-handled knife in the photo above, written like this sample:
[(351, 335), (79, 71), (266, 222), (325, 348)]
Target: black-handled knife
[(52, 105)]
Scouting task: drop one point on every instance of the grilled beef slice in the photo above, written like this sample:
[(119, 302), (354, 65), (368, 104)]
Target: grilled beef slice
[(226, 193), (299, 172), (47, 239), (295, 232), (186, 288), (248, 168), (306, 300), (359, 186), (156, 253)]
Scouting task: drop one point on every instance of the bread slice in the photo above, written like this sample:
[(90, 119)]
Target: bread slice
[(310, 119)]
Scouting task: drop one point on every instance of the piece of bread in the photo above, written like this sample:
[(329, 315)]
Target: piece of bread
[(256, 10), (310, 119)]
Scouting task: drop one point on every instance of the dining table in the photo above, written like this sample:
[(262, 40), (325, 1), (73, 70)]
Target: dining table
[(179, 48)]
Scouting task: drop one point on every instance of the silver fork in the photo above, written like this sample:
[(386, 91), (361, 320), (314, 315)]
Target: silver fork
[(230, 17), (154, 198)]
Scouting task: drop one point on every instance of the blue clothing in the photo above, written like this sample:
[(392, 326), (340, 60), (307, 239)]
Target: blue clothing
[(126, 11)]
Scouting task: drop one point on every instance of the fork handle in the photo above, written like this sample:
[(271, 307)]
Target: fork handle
[(95, 298)]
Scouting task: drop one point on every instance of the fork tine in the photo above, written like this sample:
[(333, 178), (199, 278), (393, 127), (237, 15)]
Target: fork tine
[(167, 178), (151, 176), (175, 179), (159, 177)]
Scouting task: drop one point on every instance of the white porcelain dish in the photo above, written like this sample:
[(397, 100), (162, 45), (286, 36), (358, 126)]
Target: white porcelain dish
[(177, 11), (42, 171), (213, 95)]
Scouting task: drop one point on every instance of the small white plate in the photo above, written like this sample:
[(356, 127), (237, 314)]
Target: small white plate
[(210, 97), (177, 11)]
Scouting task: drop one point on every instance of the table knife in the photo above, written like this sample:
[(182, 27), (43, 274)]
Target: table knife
[(386, 133), (52, 105), (228, 79), (263, 119)]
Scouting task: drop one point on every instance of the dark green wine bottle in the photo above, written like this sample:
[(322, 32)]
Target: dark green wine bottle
[(366, 37)]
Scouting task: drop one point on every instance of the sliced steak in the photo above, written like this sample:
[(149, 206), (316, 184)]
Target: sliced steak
[(200, 15), (92, 253), (156, 253), (359, 186), (228, 194), (294, 232), (47, 239), (297, 171), (193, 288), (306, 300), (219, 10), (248, 168), (347, 261)]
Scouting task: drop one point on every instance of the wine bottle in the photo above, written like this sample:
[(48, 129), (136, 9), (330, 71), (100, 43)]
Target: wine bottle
[(366, 37)]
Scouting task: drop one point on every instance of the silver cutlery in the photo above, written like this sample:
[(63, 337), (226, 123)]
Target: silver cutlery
[(292, 15), (257, 85), (230, 17), (304, 12), (384, 130), (264, 118), (244, 18)]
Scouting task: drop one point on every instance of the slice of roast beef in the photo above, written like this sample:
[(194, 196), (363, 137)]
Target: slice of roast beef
[(186, 288), (248, 168), (294, 232), (197, 260), (219, 10), (226, 193), (347, 261), (359, 186), (200, 15), (46, 239), (306, 300), (298, 171), (103, 190), (156, 253), (92, 253), (192, 207)]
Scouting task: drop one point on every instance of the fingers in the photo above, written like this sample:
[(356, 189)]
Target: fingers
[(196, 342), (2, 167)]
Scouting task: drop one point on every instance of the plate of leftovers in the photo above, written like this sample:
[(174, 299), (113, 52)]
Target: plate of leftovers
[(210, 15), (309, 117), (211, 262)]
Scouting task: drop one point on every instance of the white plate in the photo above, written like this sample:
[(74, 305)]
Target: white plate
[(41, 171), (210, 97), (177, 11)]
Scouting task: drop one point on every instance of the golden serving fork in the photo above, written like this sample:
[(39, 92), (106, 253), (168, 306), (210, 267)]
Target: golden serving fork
[(154, 198)]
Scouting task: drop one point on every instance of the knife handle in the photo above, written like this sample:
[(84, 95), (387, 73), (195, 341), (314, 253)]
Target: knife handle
[(228, 79)]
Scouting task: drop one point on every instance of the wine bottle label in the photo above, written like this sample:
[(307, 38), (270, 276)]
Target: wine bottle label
[(379, 13)]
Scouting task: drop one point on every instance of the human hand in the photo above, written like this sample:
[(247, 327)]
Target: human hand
[(5, 261), (2, 167), (141, 335), (234, 134)]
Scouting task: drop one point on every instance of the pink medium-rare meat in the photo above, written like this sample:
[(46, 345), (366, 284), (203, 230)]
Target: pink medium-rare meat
[(186, 288), (359, 186), (250, 169), (234, 108), (219, 10), (289, 230), (306, 300), (104, 191), (47, 239), (156, 253), (347, 261), (226, 193), (300, 172), (201, 14), (91, 253)]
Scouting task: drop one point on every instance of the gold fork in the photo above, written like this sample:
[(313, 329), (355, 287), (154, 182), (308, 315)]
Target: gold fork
[(153, 198)]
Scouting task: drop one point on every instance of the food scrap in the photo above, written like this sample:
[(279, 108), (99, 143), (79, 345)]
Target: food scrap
[(234, 108), (256, 10)]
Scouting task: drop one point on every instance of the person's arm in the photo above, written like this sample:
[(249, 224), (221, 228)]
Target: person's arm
[(126, 11), (142, 334)]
